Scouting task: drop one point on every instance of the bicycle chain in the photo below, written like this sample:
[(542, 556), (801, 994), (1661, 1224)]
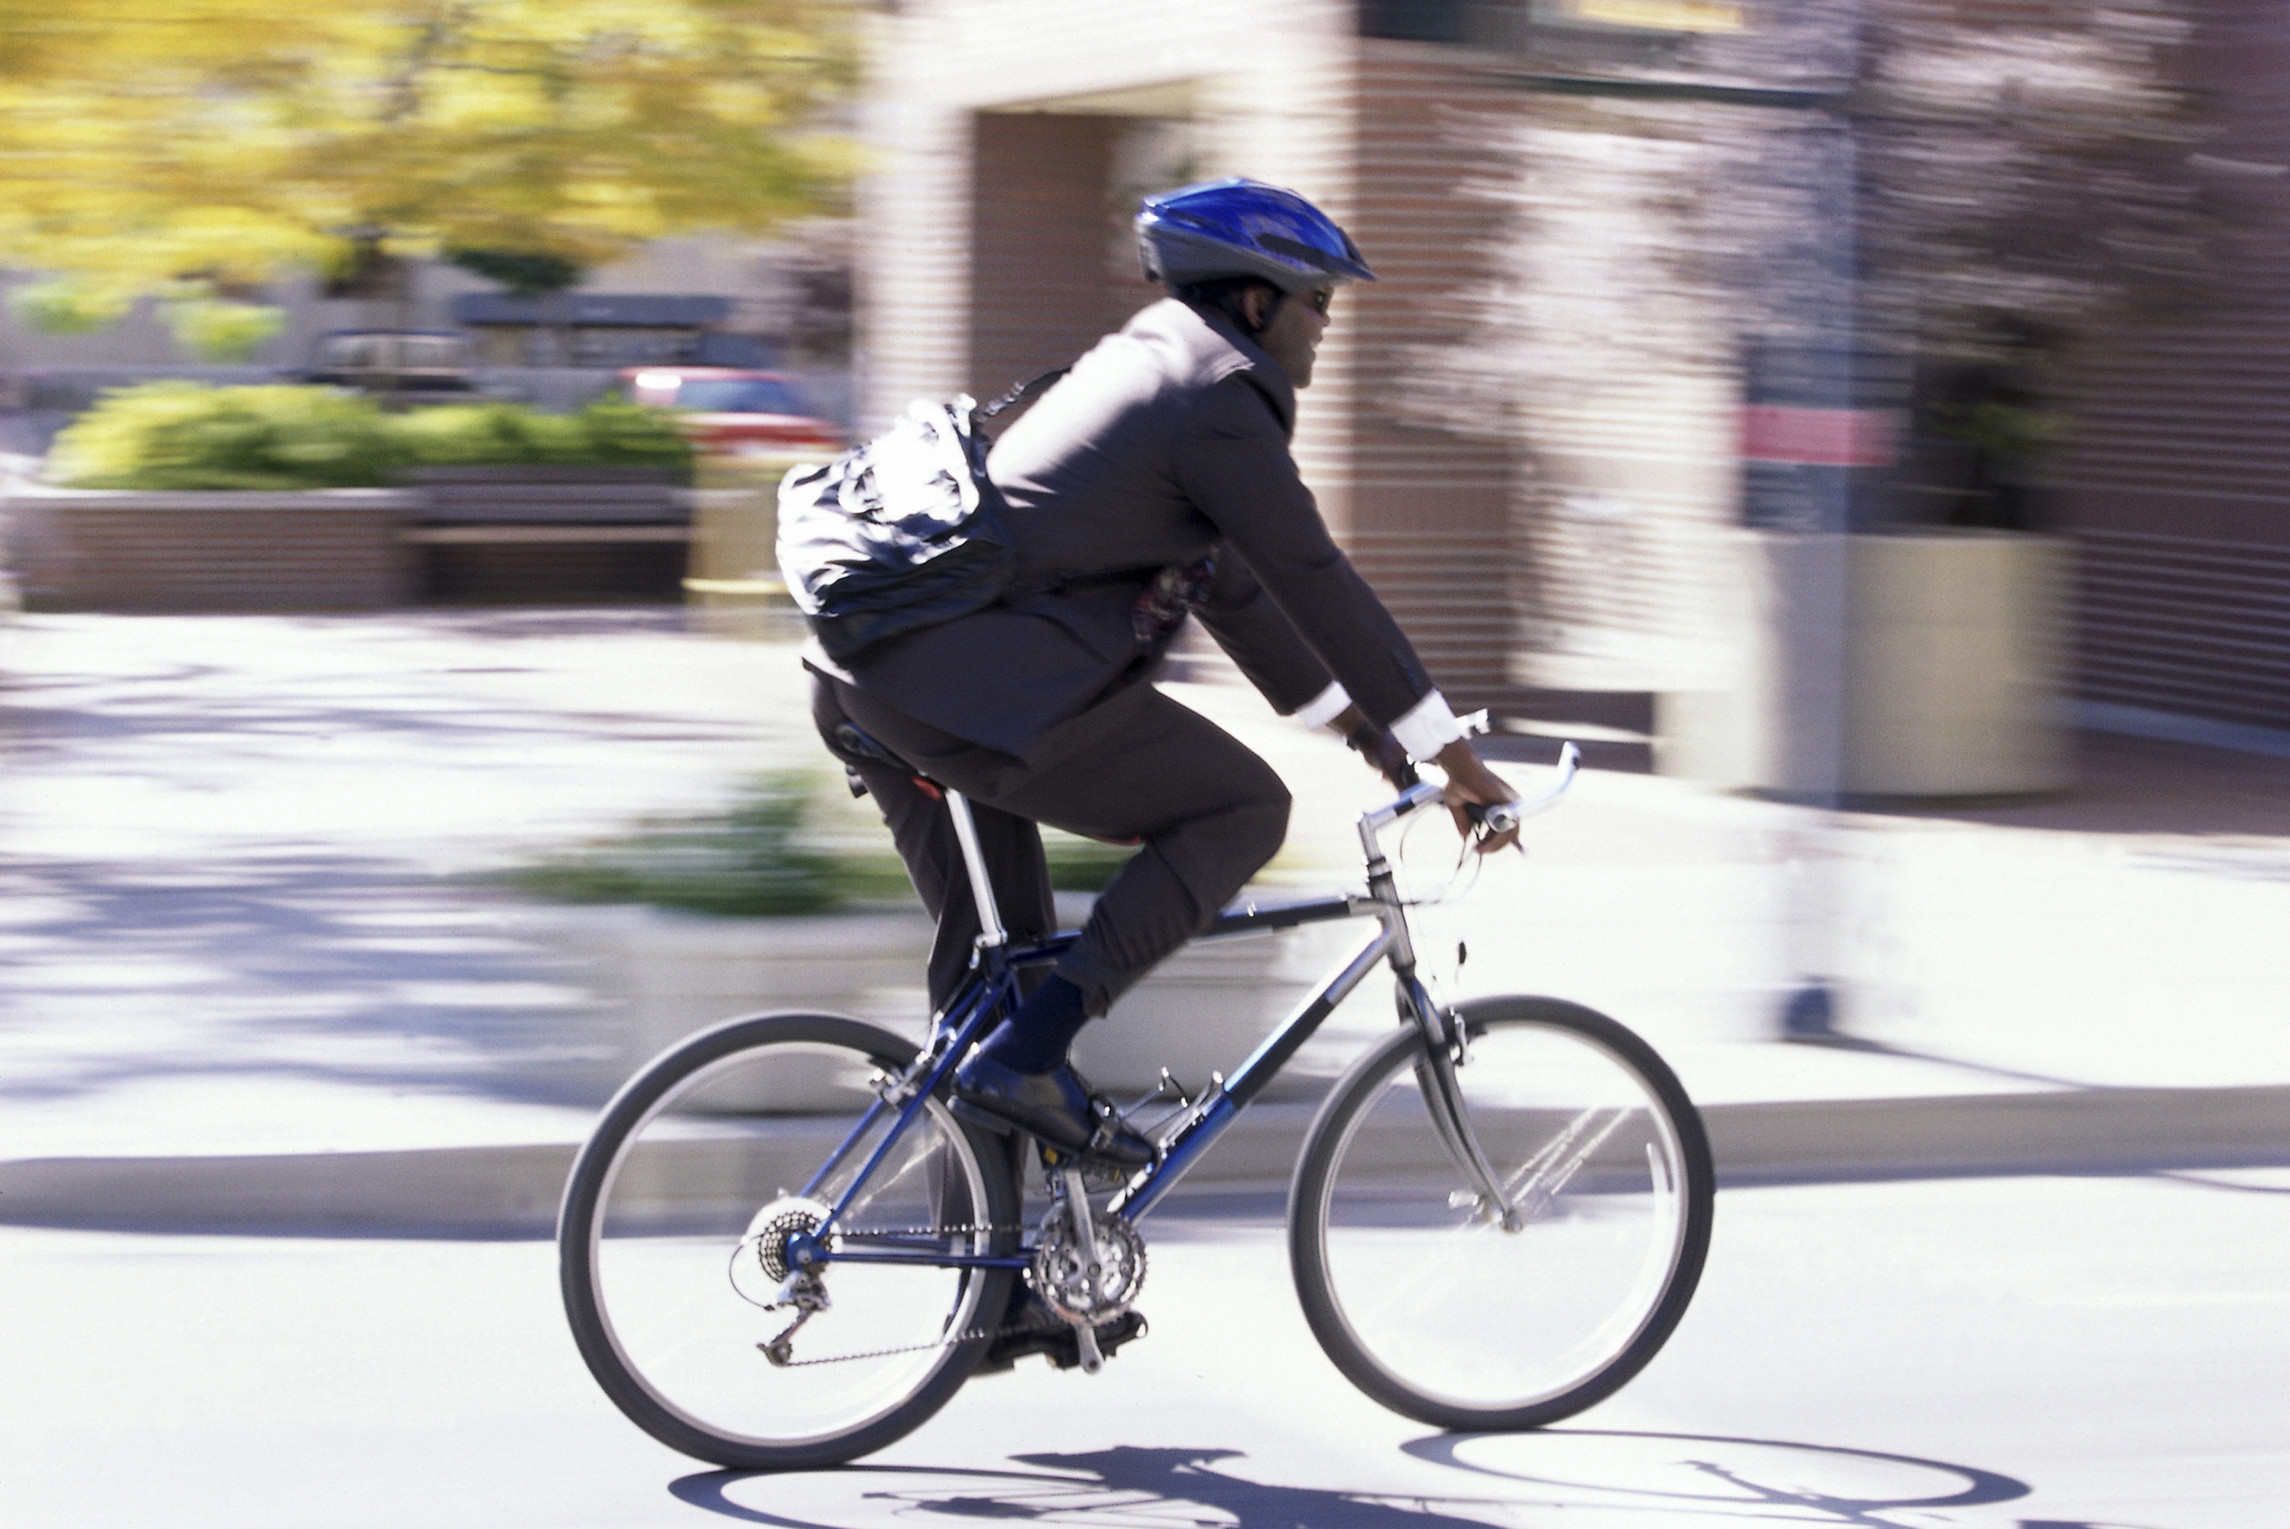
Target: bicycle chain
[(912, 1348), (885, 1353)]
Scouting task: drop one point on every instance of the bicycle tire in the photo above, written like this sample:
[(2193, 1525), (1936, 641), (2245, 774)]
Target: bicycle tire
[(653, 1253), (1460, 1323)]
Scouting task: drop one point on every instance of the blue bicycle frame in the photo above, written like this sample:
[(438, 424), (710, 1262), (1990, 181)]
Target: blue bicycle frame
[(991, 991)]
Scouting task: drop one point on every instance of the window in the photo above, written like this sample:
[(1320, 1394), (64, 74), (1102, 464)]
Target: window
[(738, 395), (1417, 20)]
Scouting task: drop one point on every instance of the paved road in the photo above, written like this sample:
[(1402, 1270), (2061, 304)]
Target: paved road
[(1994, 1354)]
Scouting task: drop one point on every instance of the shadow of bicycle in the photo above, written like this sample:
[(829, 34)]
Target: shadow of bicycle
[(1594, 1478)]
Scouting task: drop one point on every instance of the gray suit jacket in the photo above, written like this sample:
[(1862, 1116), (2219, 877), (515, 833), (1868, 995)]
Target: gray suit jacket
[(1167, 441)]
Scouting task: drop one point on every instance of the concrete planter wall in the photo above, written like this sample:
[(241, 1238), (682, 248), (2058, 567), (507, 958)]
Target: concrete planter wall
[(664, 976), (502, 534), (1205, 1008), (1945, 666), (332, 549)]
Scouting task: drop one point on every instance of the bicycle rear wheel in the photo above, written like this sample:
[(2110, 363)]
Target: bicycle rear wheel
[(665, 1246), (1434, 1306)]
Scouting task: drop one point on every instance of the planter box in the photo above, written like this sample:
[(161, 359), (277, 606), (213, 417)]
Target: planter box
[(102, 550), (1951, 669), (1205, 1008), (479, 534), (664, 976)]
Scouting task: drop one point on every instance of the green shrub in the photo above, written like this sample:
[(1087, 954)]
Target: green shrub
[(758, 859), (60, 305), (609, 432), (485, 434), (180, 435), (768, 855), (220, 331), (629, 433)]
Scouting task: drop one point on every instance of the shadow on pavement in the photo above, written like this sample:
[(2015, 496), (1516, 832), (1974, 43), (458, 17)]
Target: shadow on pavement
[(1593, 1476), (322, 967), (1702, 1475)]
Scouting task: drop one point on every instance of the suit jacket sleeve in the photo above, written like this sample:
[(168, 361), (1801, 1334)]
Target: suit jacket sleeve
[(1249, 626), (1233, 462)]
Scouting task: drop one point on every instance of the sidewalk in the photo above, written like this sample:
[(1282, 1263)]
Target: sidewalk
[(245, 980)]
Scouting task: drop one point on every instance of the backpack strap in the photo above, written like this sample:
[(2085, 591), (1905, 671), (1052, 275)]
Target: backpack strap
[(1024, 393)]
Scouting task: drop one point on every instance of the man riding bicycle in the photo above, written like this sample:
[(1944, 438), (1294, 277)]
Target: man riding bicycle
[(1152, 482)]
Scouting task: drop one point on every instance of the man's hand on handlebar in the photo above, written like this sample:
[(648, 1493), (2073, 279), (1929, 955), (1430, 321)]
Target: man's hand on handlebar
[(1471, 784)]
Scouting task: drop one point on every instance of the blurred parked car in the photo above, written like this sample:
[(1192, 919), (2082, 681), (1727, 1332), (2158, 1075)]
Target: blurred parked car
[(736, 412), (403, 366)]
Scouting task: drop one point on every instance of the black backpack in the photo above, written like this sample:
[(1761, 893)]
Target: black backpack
[(901, 533)]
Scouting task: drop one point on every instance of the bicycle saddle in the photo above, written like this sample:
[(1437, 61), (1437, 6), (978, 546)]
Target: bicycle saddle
[(851, 739)]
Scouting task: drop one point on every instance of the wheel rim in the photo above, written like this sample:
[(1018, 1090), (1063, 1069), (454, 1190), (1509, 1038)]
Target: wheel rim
[(1466, 1315), (677, 1200)]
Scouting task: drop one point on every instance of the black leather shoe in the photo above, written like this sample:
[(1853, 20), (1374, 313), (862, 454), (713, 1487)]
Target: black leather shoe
[(1055, 1106), (1032, 1328)]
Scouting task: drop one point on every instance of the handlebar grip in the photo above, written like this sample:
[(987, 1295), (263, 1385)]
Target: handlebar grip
[(1496, 820)]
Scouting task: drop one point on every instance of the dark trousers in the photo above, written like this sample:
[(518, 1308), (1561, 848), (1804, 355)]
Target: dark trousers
[(1205, 812)]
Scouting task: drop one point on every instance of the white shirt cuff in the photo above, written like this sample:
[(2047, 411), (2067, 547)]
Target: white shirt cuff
[(1427, 728), (1325, 707)]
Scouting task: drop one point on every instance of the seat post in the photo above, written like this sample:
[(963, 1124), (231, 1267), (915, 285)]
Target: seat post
[(990, 930)]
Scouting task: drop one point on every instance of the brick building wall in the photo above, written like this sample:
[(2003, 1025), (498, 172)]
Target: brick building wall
[(1432, 525), (2176, 481), (994, 247), (1041, 291)]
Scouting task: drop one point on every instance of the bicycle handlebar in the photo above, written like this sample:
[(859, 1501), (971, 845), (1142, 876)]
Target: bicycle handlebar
[(1505, 816), (1500, 818)]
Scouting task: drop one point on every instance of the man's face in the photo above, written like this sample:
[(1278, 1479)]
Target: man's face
[(1291, 326)]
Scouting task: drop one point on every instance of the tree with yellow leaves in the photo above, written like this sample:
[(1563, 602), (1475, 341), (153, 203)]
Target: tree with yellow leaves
[(195, 150)]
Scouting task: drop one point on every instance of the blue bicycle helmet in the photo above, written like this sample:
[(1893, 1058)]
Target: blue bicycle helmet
[(1243, 228)]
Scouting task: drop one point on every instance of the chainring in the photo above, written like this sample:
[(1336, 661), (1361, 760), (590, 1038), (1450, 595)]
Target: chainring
[(1076, 1288)]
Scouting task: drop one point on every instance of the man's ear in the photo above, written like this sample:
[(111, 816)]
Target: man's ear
[(1257, 303)]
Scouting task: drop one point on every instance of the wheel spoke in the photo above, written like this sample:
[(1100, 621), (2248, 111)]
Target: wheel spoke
[(694, 1159), (1545, 1177), (1467, 1313)]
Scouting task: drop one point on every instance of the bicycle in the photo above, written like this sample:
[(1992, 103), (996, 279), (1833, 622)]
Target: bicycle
[(785, 1245)]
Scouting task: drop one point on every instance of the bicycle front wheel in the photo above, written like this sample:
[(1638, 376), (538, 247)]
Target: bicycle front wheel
[(1470, 1314), (672, 1239)]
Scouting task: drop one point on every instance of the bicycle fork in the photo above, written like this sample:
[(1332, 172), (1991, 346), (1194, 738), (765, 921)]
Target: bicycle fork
[(1443, 1039), (1443, 1046), (1513, 1202)]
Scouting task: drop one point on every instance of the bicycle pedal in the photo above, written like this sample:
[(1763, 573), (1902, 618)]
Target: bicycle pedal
[(1039, 1332), (1110, 1336), (1062, 1348)]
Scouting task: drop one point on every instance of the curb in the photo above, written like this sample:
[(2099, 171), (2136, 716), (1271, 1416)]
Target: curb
[(512, 1192)]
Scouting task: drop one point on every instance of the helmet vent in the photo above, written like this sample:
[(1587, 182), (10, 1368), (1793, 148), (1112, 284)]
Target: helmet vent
[(1295, 249)]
